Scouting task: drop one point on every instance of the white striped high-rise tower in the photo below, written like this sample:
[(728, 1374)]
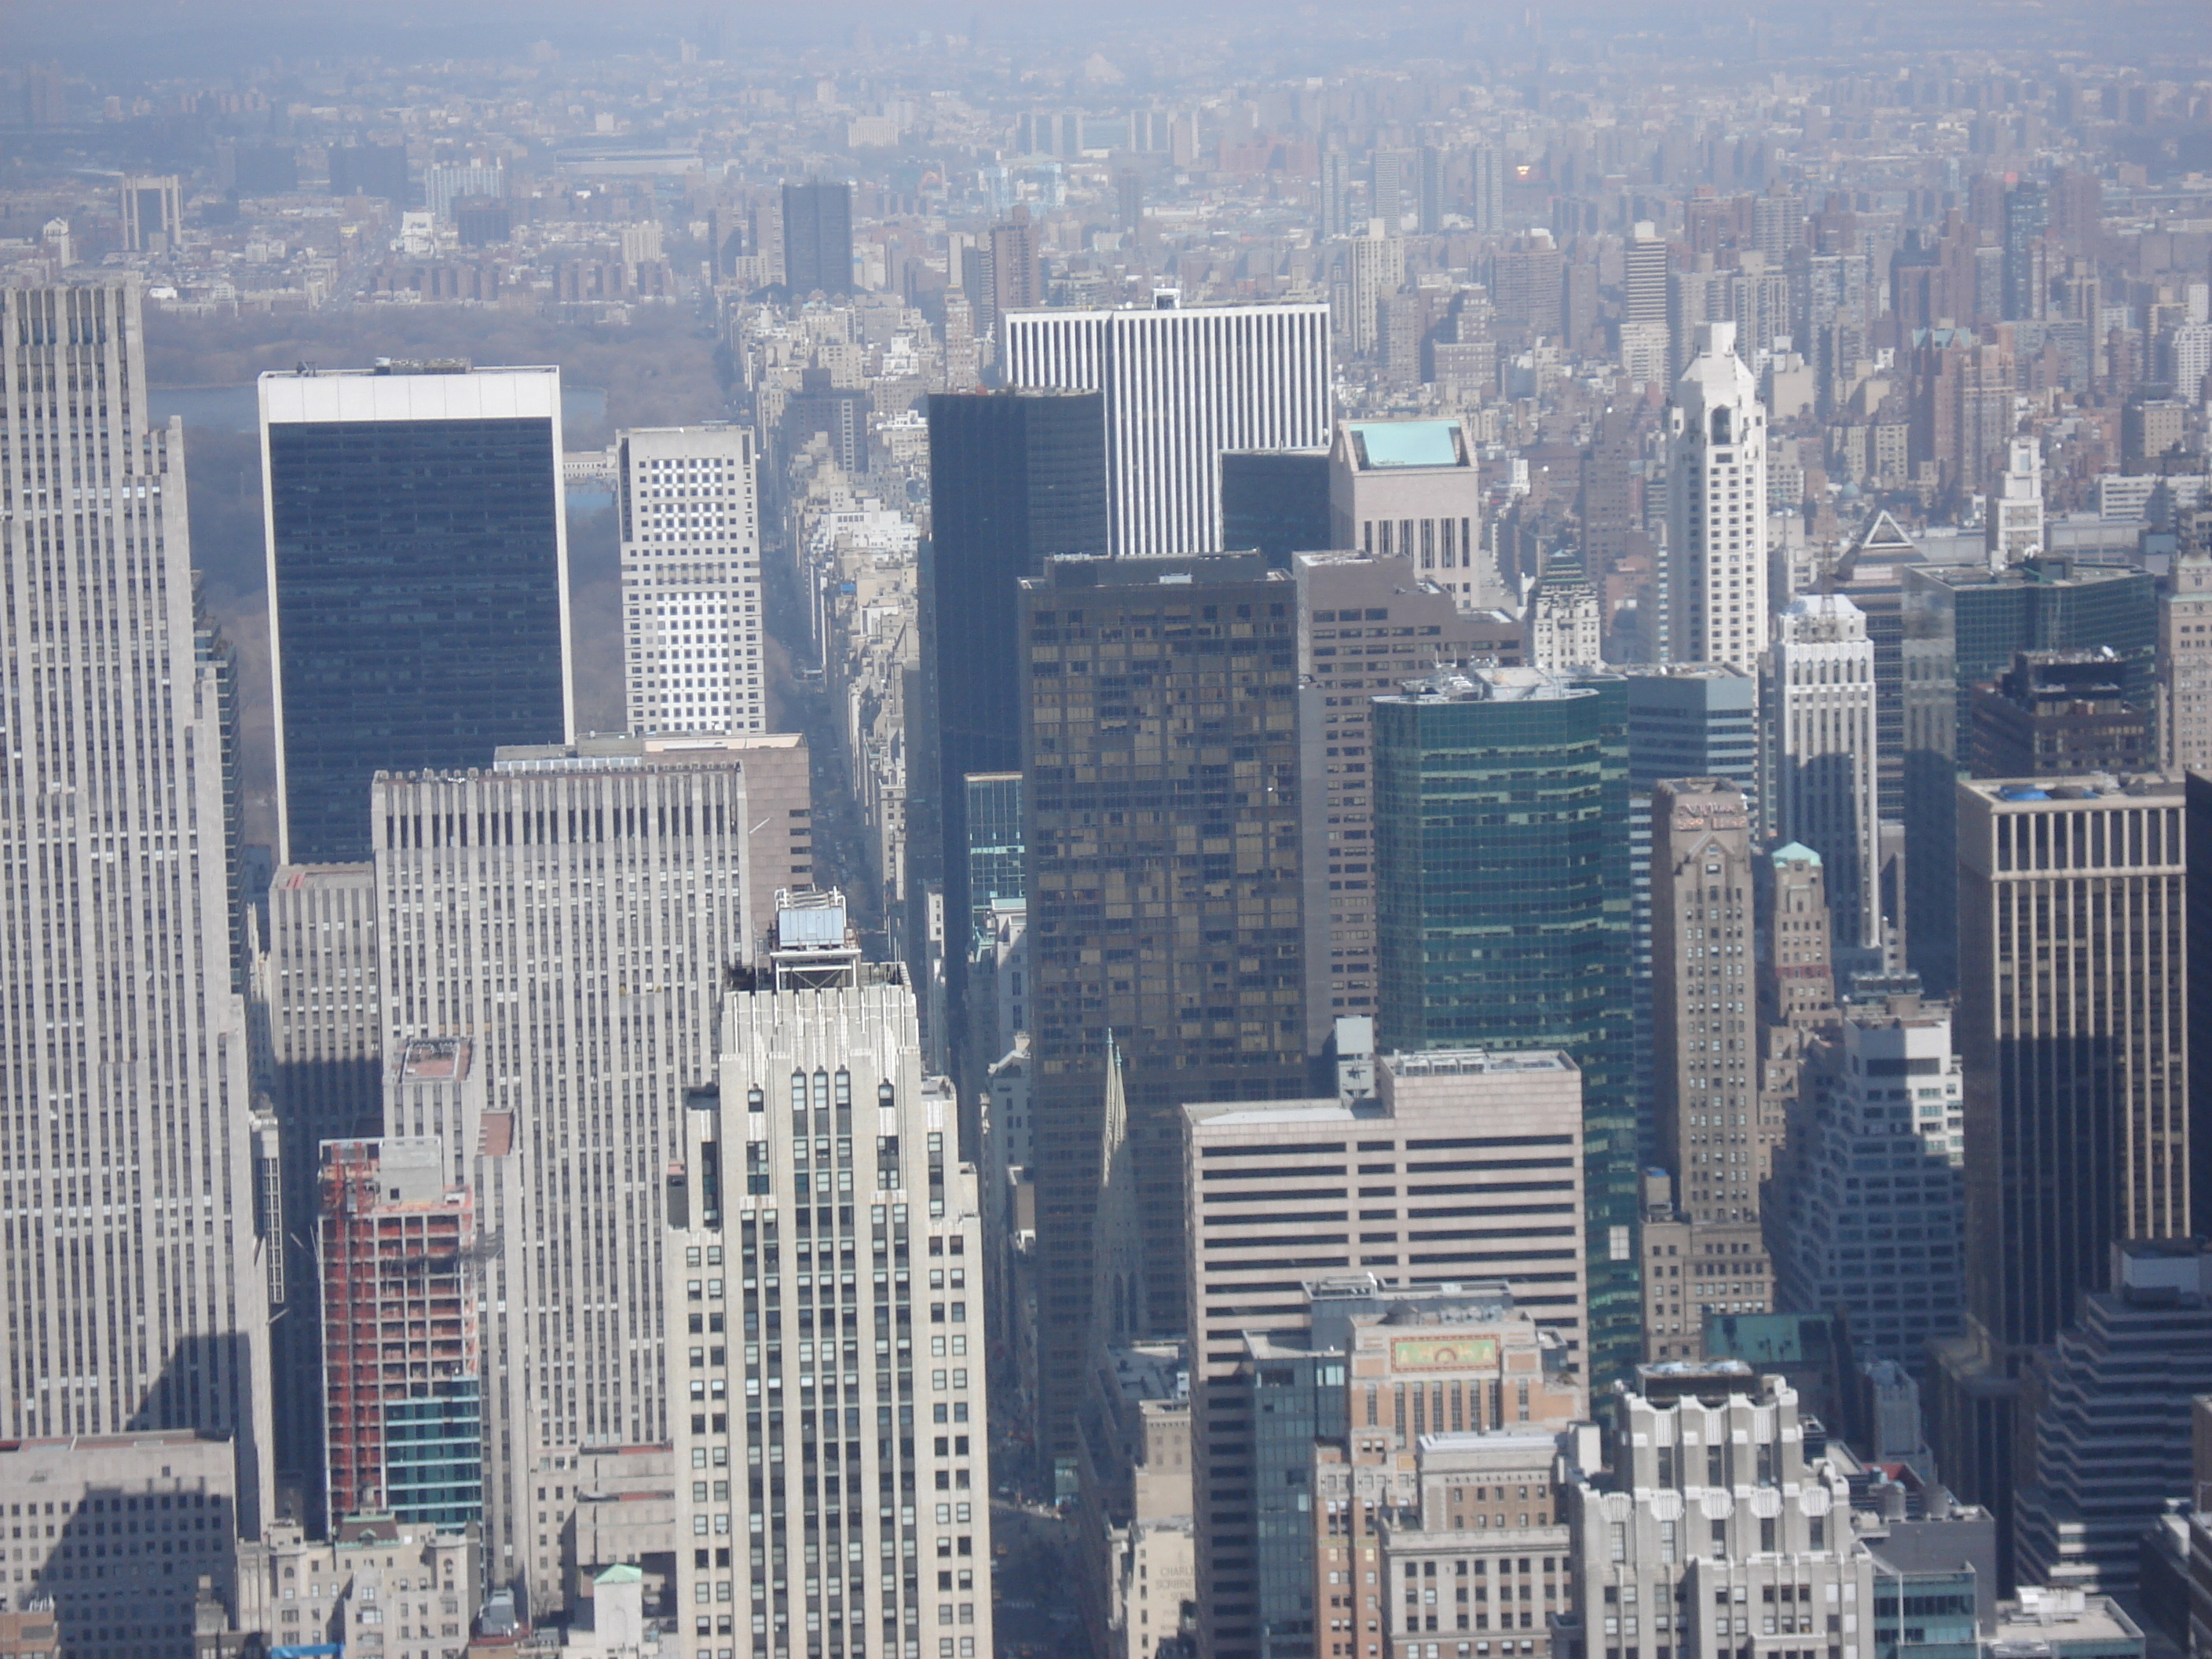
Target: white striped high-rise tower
[(1182, 387), (136, 1286)]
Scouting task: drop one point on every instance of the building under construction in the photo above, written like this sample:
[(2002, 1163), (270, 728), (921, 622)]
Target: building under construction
[(402, 1389)]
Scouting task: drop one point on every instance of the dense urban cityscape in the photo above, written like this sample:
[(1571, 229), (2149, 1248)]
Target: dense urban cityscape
[(1488, 730)]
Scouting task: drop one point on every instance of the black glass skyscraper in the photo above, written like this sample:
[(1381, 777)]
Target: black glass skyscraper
[(1275, 500), (818, 238), (418, 581), (1015, 477), (1502, 915)]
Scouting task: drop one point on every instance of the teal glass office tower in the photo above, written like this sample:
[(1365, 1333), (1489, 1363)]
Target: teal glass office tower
[(1502, 915)]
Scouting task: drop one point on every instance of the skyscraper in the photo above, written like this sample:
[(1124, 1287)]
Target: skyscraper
[(559, 930), (1491, 1138), (1365, 626), (2073, 1034), (319, 1000), (1514, 934), (2184, 650), (1486, 197), (1181, 386), (1376, 268), (1275, 502), (690, 580), (138, 1241), (418, 581), (1715, 608), (856, 1457), (818, 238), (1160, 749), (1016, 477), (1412, 488), (1961, 626), (1821, 759), (402, 1388)]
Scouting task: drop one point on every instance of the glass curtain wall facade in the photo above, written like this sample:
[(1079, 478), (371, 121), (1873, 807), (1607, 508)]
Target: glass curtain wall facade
[(1502, 915)]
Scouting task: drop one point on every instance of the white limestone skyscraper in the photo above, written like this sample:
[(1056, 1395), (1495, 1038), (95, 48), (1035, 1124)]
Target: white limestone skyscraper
[(1182, 386), (690, 580), (1821, 762), (557, 932), (135, 1284), (1715, 608), (825, 1326)]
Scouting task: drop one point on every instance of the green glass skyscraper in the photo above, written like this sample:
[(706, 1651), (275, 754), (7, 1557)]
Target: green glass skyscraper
[(1502, 915)]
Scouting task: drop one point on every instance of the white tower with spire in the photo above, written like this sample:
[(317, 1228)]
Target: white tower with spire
[(1714, 607)]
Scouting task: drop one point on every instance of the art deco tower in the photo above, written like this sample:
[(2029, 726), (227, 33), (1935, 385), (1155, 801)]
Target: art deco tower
[(1715, 588), (137, 1295)]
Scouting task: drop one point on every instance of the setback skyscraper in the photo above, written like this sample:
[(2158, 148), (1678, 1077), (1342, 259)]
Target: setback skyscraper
[(858, 1462), (418, 582), (1821, 762), (1502, 901), (1715, 608), (1182, 387), (690, 580), (137, 1295)]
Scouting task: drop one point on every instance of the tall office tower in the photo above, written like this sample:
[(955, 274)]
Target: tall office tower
[(2027, 257), (1486, 199), (447, 183), (1961, 628), (1871, 574), (548, 1046), (1704, 1002), (1390, 183), (1016, 264), (1684, 721), (1314, 1153), (1714, 1140), (1365, 626), (842, 1437), (1182, 387), (1646, 348), (1376, 269), (1870, 1223), (1821, 760), (1336, 193), (1412, 488), (1431, 203), (317, 1003), (1275, 502), (1684, 1437), (690, 580), (1016, 477), (2113, 1426), (1714, 602), (1164, 893), (818, 238), (418, 581), (2059, 714), (2185, 651), (2013, 520), (1129, 203), (153, 213), (129, 1123), (403, 1385), (2073, 1040), (1463, 961)]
